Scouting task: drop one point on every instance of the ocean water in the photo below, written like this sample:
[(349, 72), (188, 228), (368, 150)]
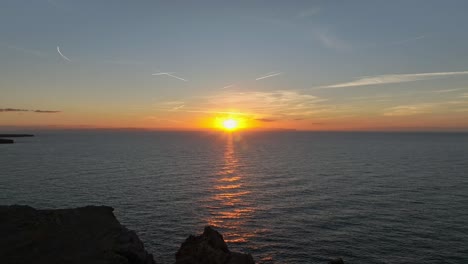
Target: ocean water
[(285, 197)]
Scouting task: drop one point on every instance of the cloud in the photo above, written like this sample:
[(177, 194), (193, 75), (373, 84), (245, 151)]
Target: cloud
[(26, 110), (261, 105), (46, 111), (331, 41), (177, 107), (407, 110), (394, 78), (172, 103), (12, 110), (228, 86), (266, 119), (446, 90), (465, 95), (399, 42)]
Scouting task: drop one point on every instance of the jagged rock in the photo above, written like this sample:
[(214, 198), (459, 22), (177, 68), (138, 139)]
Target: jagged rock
[(209, 248), (336, 261), (89, 234), (6, 141)]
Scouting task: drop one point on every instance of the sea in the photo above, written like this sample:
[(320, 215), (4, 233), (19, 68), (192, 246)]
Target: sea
[(283, 196)]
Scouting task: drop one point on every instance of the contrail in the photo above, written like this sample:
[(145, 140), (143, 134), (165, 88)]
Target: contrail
[(271, 74), (63, 56), (170, 74), (228, 86), (178, 107)]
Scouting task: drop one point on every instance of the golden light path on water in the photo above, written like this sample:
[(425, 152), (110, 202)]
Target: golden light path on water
[(231, 209)]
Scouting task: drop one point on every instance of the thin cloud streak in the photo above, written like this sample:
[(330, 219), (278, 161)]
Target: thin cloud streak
[(63, 56), (446, 91), (27, 110), (408, 110), (46, 111), (271, 74), (331, 41), (393, 78), (228, 86), (177, 107), (13, 110), (266, 119), (171, 74), (407, 40)]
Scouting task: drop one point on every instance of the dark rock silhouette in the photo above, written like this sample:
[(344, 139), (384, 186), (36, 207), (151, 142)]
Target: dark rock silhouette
[(89, 234), (93, 235), (336, 261), (15, 135), (6, 141), (209, 248)]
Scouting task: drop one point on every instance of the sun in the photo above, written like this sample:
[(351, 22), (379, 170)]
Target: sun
[(230, 124)]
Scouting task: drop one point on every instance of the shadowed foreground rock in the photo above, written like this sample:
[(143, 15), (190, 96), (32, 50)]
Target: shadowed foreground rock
[(89, 234), (209, 248), (336, 261)]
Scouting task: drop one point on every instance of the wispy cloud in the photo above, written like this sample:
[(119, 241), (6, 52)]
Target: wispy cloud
[(266, 119), (46, 111), (157, 119), (13, 110), (394, 78), (265, 106), (407, 110), (228, 86), (268, 75), (403, 41), (178, 107), (425, 108), (27, 110), (465, 95), (63, 56), (447, 90), (170, 74), (330, 40)]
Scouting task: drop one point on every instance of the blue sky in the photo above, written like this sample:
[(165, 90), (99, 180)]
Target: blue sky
[(346, 64)]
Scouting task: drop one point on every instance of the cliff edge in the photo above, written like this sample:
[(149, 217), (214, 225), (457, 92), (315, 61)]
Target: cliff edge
[(88, 234)]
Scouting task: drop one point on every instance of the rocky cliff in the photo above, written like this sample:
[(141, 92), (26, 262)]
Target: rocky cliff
[(89, 234), (93, 235)]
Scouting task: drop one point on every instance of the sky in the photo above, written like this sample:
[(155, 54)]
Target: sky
[(306, 65)]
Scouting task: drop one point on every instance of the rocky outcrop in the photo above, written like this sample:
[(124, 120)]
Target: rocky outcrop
[(209, 248), (6, 141), (93, 235), (336, 261), (89, 234)]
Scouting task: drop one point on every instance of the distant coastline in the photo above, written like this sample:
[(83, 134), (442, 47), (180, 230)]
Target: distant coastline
[(15, 135), (4, 138)]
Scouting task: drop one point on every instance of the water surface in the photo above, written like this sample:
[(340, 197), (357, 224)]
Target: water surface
[(286, 197)]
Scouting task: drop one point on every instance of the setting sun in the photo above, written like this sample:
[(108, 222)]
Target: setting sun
[(230, 124)]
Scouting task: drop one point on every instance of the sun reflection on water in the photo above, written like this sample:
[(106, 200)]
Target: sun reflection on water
[(231, 208)]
